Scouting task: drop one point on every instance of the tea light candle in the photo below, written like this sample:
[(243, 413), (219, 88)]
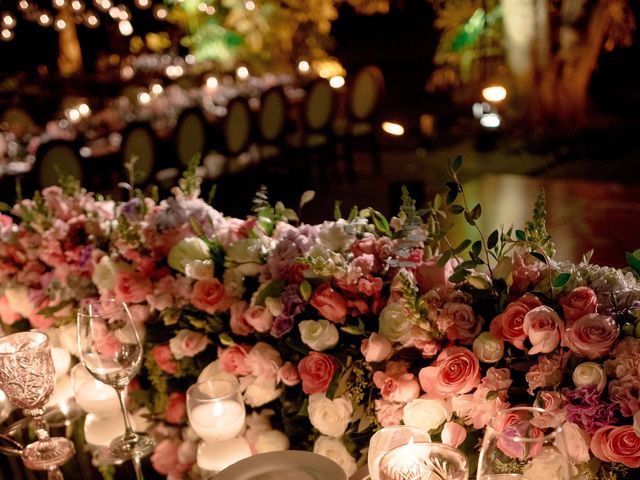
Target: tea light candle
[(99, 430), (405, 459), (62, 391), (217, 420), (61, 361), (96, 397), (216, 456)]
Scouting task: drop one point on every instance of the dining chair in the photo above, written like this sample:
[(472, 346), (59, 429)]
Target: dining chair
[(364, 94), (190, 136), (54, 159), (139, 144), (18, 121)]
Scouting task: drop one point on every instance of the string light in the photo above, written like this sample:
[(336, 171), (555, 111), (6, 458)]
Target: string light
[(23, 5), (303, 66), (336, 81), (125, 27), (58, 3), (249, 5), (242, 73), (92, 20), (143, 4), (211, 10), (84, 109), (160, 12), (8, 21), (144, 98), (156, 89), (60, 24), (6, 34), (202, 7), (77, 5), (212, 82), (44, 19), (190, 59)]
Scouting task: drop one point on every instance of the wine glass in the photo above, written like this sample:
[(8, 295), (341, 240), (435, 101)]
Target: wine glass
[(217, 414), (424, 461), (27, 378), (524, 443), (111, 350), (387, 439)]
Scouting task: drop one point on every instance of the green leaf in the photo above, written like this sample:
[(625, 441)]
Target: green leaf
[(445, 257), (49, 311), (305, 290), (451, 197), (273, 289), (437, 202), (520, 235), (561, 280), (458, 276), (463, 245), (539, 256), (479, 282), (476, 248), (470, 220), (4, 207), (633, 260), (352, 330), (457, 163), (453, 186), (337, 213), (492, 241), (456, 209), (468, 264), (353, 213), (476, 212), (381, 222), (306, 197), (226, 340)]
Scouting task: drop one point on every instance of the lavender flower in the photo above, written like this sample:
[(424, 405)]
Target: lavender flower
[(586, 409)]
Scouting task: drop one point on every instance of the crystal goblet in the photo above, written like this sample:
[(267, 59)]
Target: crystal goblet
[(424, 461), (27, 378)]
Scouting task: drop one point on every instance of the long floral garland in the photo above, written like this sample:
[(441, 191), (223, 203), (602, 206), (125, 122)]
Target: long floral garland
[(334, 330)]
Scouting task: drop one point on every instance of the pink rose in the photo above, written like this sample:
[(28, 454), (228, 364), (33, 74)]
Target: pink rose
[(165, 458), (455, 371), (578, 303), (162, 295), (376, 348), (592, 336), (465, 325), (509, 324), (551, 403), (401, 388), (238, 321), (617, 444), (132, 287), (263, 360), (288, 374), (512, 428), (7, 316), (259, 318), (316, 371), (208, 295), (329, 303), (188, 343), (547, 372), (162, 356), (41, 322), (389, 413), (527, 270), (429, 275), (453, 434), (176, 407), (234, 359), (543, 326)]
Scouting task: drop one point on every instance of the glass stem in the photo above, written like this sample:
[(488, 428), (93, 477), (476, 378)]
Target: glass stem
[(122, 396), (40, 424)]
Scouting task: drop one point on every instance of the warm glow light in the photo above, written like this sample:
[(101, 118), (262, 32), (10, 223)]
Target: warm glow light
[(84, 109), (23, 4), (74, 115), (44, 19), (494, 93), (76, 5), (160, 12), (114, 12), (337, 81), (212, 82), (242, 73), (156, 89), (490, 120), (393, 128), (144, 98), (58, 3), (124, 14), (127, 72), (60, 24), (249, 5), (190, 59), (125, 27), (174, 71), (211, 10), (143, 4), (92, 20), (303, 66), (8, 20), (202, 7), (6, 34)]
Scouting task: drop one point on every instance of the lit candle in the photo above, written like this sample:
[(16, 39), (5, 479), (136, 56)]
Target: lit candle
[(62, 391), (216, 456), (61, 361), (96, 397), (99, 430), (218, 420)]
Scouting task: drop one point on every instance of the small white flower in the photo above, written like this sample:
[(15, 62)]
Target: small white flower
[(333, 235), (259, 390), (394, 323), (18, 300), (186, 251), (245, 255), (199, 269), (272, 441), (427, 414), (488, 348), (233, 281), (335, 450), (318, 335), (330, 417), (590, 373), (104, 274)]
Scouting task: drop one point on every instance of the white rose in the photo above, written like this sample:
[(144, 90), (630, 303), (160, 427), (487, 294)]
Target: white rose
[(335, 450), (394, 323), (233, 281), (549, 464), (246, 255), (274, 305), (333, 235), (427, 414), (590, 373), (199, 269), (259, 390), (330, 417), (214, 371), (488, 348), (272, 441), (104, 274), (18, 300), (186, 251), (67, 336), (319, 335), (577, 446)]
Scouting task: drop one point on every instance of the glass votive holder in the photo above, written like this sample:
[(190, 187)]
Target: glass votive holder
[(387, 439), (424, 461)]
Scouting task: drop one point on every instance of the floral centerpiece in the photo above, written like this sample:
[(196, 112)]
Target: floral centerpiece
[(334, 330)]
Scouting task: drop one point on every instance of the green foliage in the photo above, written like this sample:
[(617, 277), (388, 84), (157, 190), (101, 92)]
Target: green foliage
[(189, 184), (535, 230)]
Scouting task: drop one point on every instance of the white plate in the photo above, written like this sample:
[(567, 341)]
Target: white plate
[(288, 465)]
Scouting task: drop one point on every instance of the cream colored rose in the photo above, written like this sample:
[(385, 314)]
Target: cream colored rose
[(577, 445), (259, 390), (319, 335), (272, 441), (245, 254), (549, 464), (330, 417), (233, 281), (104, 274), (590, 373), (427, 414), (199, 269), (68, 336), (394, 323), (333, 235), (186, 251), (335, 450), (18, 300), (488, 348), (214, 371)]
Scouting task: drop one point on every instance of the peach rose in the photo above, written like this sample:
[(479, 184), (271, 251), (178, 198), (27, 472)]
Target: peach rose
[(259, 318), (7, 316), (543, 326), (316, 371), (509, 325), (176, 407), (207, 295), (162, 356), (132, 287), (429, 275), (234, 359), (401, 388), (389, 413), (465, 324), (511, 428), (238, 320), (453, 434), (578, 303), (551, 403), (592, 336), (455, 371), (329, 303), (165, 458), (288, 374), (376, 348), (188, 343), (617, 444)]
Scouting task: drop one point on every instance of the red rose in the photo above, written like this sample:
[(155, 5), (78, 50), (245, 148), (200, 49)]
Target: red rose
[(578, 303), (176, 407), (329, 303), (207, 295), (592, 336), (316, 371), (162, 356), (455, 371), (617, 444)]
